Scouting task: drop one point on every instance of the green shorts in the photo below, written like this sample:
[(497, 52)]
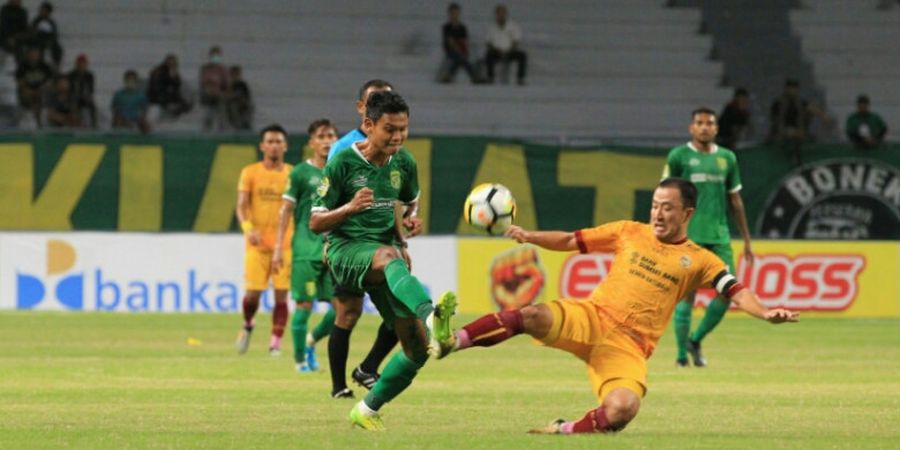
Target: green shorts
[(723, 251), (310, 281), (349, 263)]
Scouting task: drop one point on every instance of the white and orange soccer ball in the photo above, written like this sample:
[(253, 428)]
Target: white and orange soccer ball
[(490, 207)]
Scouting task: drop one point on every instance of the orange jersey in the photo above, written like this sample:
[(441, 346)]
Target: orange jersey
[(266, 187), (648, 277)]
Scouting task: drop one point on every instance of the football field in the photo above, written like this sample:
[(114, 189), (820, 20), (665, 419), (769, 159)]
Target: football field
[(134, 381)]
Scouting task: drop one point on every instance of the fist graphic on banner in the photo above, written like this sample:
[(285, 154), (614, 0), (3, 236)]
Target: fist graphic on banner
[(517, 278)]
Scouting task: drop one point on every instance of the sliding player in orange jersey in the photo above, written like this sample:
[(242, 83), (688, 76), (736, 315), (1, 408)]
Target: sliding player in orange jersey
[(616, 330), (259, 199)]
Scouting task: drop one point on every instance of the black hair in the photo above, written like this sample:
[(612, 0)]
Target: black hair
[(741, 92), (130, 73), (702, 110), (863, 98), (791, 82), (385, 102), (275, 128), (453, 6), (686, 188), (376, 83), (319, 123)]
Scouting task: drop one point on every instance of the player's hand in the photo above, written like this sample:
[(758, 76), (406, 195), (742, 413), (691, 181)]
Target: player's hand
[(781, 315), (518, 233), (277, 260), (254, 238), (363, 199), (413, 226), (748, 255)]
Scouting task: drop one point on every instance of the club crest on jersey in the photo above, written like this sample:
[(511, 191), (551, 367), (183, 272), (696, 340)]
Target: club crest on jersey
[(395, 179), (322, 190), (723, 164), (685, 261)]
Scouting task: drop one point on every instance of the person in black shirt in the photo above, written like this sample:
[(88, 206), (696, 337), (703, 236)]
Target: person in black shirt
[(734, 119), (164, 88), (32, 78), (240, 104), (46, 34), (13, 25), (81, 81), (456, 46)]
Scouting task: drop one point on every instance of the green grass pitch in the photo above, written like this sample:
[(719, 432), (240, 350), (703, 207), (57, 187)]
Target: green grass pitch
[(132, 381)]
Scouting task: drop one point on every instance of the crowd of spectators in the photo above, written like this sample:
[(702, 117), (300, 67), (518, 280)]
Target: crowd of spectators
[(54, 98)]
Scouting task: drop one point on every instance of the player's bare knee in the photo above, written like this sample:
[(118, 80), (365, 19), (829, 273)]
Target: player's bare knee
[(383, 256), (537, 320), (621, 406)]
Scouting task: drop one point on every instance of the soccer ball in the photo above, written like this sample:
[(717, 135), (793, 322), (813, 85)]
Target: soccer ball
[(490, 207)]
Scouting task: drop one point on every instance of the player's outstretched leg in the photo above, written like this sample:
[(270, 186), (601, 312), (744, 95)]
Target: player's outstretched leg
[(366, 374), (715, 311), (682, 323), (488, 330)]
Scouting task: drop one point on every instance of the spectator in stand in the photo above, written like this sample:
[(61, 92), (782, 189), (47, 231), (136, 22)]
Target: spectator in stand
[(61, 109), (734, 120), (13, 26), (81, 80), (214, 90), (789, 119), (456, 46), (32, 77), (865, 128), (164, 88), (129, 105), (503, 41), (240, 103), (46, 35)]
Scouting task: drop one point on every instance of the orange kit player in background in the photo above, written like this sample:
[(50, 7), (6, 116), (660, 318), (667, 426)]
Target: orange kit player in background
[(259, 200), (616, 330)]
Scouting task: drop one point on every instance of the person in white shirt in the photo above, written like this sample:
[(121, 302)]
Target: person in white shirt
[(503, 40)]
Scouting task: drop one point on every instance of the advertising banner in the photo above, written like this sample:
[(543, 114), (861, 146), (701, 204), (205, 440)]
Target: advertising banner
[(152, 272), (827, 278)]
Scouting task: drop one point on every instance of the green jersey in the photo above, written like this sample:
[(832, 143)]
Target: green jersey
[(302, 183), (348, 172), (716, 175)]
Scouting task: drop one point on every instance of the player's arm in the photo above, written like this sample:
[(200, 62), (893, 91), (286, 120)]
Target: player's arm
[(242, 211), (323, 219), (740, 218), (552, 240), (728, 286), (284, 218)]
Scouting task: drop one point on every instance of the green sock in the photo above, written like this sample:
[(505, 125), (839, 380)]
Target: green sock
[(682, 321), (408, 289), (714, 314), (298, 333), (396, 376), (324, 327)]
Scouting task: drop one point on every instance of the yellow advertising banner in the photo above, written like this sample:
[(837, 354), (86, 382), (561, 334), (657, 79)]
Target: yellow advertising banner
[(819, 278)]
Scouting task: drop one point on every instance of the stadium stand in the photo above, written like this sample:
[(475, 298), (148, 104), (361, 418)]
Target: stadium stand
[(618, 69), (853, 54)]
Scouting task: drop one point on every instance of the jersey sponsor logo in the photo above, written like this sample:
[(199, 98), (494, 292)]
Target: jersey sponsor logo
[(694, 162), (395, 179), (835, 199), (706, 178), (582, 273), (322, 190), (359, 181), (806, 282)]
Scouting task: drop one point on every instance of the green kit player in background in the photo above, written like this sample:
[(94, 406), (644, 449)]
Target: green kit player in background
[(310, 279), (366, 253), (713, 169)]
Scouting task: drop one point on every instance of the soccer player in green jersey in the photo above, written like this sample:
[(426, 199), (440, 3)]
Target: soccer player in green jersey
[(366, 253), (310, 279), (713, 169)]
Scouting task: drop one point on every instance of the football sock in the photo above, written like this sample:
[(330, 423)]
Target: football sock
[(279, 319), (324, 327), (715, 311), (298, 332), (407, 289), (595, 421), (249, 306), (682, 319), (397, 376), (338, 347), (384, 343), (491, 329)]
